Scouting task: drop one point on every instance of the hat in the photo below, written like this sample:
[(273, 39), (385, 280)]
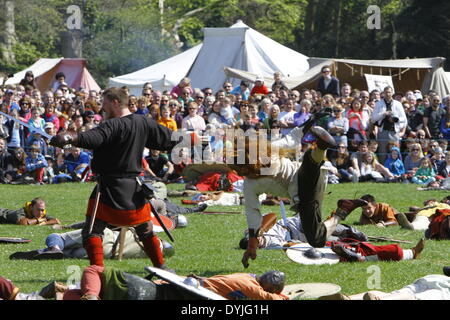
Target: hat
[(49, 125), (97, 117), (89, 113), (9, 91), (259, 78)]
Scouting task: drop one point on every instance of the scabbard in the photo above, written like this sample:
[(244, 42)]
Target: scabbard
[(97, 200), (156, 214)]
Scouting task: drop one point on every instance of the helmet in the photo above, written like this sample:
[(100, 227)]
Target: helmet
[(181, 221), (191, 282), (167, 249)]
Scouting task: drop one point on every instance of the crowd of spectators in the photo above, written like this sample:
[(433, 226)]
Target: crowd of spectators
[(382, 136)]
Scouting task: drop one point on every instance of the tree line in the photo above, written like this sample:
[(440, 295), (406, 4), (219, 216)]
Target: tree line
[(121, 36)]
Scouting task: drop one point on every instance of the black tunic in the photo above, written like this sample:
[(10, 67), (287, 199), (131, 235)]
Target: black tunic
[(118, 146)]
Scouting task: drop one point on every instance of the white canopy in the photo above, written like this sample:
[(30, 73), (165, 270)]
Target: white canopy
[(238, 47), (163, 75)]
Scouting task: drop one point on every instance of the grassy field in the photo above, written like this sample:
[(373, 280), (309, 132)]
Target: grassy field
[(209, 245)]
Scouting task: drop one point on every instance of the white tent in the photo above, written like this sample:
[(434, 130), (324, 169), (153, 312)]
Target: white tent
[(239, 47)]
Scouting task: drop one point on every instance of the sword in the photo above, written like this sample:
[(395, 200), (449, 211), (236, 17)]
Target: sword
[(32, 129), (156, 214), (97, 199), (283, 215)]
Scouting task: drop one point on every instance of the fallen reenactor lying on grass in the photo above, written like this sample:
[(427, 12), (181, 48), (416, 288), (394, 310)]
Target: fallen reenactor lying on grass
[(33, 213), (274, 234), (429, 287), (105, 283), (69, 244)]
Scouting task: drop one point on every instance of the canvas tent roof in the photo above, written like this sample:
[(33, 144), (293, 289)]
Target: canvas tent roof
[(239, 47), (408, 74), (44, 71)]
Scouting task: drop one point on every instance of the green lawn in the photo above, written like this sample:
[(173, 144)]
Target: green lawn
[(209, 245)]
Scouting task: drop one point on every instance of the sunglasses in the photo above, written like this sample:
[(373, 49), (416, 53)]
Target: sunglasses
[(415, 149), (173, 105), (199, 98)]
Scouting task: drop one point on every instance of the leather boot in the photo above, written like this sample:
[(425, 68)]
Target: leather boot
[(417, 250), (50, 254), (346, 206), (324, 140), (403, 221), (345, 253)]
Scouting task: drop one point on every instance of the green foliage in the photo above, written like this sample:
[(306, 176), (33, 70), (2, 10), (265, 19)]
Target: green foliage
[(209, 244)]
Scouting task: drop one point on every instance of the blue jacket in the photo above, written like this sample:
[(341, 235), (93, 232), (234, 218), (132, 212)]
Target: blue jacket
[(396, 166), (33, 164)]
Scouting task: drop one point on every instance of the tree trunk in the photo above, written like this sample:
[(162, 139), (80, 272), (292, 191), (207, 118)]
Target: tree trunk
[(310, 19), (337, 24), (7, 32)]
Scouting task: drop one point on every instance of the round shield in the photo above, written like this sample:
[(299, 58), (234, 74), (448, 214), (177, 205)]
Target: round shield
[(310, 290), (301, 253), (169, 223)]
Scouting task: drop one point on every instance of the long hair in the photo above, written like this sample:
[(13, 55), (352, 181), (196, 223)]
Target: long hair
[(252, 155)]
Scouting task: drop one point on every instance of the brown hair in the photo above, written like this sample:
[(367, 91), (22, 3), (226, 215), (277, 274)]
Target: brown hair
[(118, 94)]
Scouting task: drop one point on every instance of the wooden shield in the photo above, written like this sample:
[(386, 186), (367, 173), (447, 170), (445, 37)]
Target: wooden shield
[(169, 223), (310, 290), (297, 254), (179, 281), (13, 240)]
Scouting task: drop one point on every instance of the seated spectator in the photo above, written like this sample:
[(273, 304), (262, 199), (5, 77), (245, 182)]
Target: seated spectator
[(25, 109), (16, 131), (264, 109), (338, 125), (36, 139), (259, 87), (243, 113), (142, 106), (340, 159), (35, 164), (357, 157), (175, 112), (242, 89), (303, 113), (327, 83), (185, 99), (226, 113), (443, 167), (165, 119), (154, 111), (6, 161), (77, 162), (199, 98), (178, 89), (253, 119), (358, 120), (373, 147), (18, 166), (372, 170), (28, 80), (51, 116), (425, 173), (286, 117), (395, 164), (377, 213), (445, 123), (413, 160), (60, 78), (4, 131), (193, 121), (132, 104), (160, 167)]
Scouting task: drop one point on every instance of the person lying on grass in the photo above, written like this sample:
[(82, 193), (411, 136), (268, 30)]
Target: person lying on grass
[(33, 213)]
